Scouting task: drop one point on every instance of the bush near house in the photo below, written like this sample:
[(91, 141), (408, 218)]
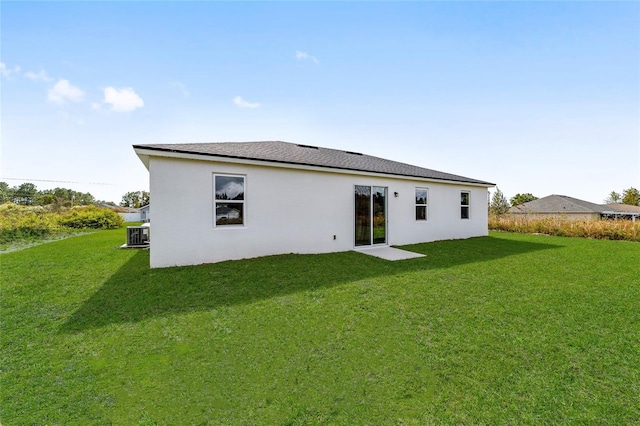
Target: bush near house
[(598, 229), (35, 222), (20, 222), (91, 217)]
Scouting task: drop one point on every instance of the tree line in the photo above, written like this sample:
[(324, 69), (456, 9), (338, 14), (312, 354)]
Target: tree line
[(27, 194), (629, 196), (135, 199)]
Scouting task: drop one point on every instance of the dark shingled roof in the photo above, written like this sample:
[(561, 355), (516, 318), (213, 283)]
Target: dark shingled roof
[(621, 208), (291, 153), (557, 204)]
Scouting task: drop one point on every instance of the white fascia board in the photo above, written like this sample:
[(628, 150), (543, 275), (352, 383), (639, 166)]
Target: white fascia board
[(620, 212), (144, 155)]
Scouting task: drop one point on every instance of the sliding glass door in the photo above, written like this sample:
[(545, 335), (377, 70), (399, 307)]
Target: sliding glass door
[(370, 215), (379, 216), (363, 215)]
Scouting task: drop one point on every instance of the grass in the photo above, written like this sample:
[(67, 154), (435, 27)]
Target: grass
[(498, 330), (31, 240)]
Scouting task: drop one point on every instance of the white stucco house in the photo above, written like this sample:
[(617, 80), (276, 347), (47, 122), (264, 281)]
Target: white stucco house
[(128, 214), (250, 199), (145, 213)]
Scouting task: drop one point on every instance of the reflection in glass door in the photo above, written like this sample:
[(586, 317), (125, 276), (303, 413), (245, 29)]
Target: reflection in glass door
[(363, 215), (379, 197), (370, 215)]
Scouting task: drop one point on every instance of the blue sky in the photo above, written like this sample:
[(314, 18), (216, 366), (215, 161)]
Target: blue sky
[(540, 97)]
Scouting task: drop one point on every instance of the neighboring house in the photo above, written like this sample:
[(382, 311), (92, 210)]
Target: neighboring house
[(144, 213), (129, 214), (561, 206), (227, 214), (250, 199), (621, 211)]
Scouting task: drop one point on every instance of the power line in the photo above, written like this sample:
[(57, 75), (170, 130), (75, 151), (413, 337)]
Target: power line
[(57, 181)]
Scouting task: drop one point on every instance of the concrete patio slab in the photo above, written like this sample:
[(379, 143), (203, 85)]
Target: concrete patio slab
[(389, 253)]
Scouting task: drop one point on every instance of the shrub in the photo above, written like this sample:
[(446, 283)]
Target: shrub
[(91, 217), (24, 223), (598, 229), (35, 222)]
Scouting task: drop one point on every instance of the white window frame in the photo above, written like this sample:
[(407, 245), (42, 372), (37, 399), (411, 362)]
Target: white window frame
[(467, 206), (425, 205), (243, 201)]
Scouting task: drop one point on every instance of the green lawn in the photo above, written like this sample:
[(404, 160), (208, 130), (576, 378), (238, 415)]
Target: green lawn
[(508, 329)]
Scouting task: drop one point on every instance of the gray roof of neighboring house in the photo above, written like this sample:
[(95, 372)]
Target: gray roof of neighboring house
[(564, 204), (119, 209), (291, 153), (621, 208), (557, 204)]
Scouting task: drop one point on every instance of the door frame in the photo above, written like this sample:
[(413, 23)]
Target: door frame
[(372, 242)]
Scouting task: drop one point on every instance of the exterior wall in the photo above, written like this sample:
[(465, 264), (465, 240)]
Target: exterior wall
[(131, 217), (562, 216), (144, 213), (290, 211)]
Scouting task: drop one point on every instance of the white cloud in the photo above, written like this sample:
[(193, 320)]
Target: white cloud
[(232, 190), (41, 76), (6, 72), (63, 92), (241, 103), (122, 100), (304, 56)]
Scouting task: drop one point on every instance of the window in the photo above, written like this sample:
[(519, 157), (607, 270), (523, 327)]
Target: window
[(464, 205), (421, 203), (228, 200)]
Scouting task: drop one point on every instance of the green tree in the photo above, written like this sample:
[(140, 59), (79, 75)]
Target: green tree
[(499, 204), (518, 199), (135, 199), (83, 199), (631, 196), (45, 199), (64, 197), (613, 198), (25, 194), (6, 193)]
